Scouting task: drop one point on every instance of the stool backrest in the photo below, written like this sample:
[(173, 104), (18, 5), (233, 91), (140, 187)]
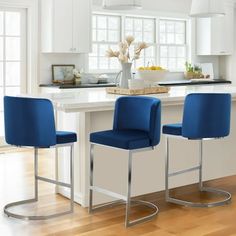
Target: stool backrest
[(139, 113), (206, 115), (29, 122)]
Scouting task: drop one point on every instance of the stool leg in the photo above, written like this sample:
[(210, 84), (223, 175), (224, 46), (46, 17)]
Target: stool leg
[(200, 164), (72, 177), (128, 203), (91, 178), (225, 194), (167, 194), (56, 169), (36, 173)]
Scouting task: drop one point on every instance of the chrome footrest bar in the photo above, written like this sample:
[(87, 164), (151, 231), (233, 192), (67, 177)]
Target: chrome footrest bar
[(24, 217), (53, 182), (106, 205), (184, 171), (108, 193), (223, 193)]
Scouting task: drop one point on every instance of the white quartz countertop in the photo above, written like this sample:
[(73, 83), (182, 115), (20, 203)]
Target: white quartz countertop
[(89, 100)]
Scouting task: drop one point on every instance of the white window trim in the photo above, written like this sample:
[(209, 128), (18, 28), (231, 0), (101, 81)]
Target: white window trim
[(187, 39), (31, 8), (156, 44), (23, 59)]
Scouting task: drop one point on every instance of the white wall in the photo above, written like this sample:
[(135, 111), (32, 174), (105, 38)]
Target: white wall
[(228, 63)]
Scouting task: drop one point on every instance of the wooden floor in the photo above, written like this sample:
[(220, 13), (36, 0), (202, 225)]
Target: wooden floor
[(16, 183)]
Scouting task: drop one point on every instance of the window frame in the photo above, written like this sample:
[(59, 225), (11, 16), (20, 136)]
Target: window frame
[(186, 44), (105, 42), (156, 43)]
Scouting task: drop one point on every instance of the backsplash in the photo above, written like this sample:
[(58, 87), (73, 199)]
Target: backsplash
[(47, 60)]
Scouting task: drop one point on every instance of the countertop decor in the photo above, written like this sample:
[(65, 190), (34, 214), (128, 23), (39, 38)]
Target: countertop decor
[(145, 91), (63, 74), (126, 58)]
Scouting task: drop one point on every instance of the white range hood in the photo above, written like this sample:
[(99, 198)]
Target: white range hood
[(207, 8), (122, 4)]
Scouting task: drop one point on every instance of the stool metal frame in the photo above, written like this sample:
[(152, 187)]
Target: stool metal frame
[(57, 183), (225, 194), (122, 199)]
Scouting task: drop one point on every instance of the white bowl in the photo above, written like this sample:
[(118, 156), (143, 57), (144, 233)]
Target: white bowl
[(93, 80), (152, 75)]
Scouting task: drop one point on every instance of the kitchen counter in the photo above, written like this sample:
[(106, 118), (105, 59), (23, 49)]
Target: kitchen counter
[(194, 82), (71, 86), (89, 100), (90, 110), (165, 83)]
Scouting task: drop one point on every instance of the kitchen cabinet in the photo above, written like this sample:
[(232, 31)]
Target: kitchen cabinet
[(66, 26), (215, 36)]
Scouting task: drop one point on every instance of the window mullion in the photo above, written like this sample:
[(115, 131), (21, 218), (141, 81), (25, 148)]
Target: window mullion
[(4, 53), (157, 40)]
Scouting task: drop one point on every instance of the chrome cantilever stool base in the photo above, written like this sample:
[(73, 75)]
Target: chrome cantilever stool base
[(35, 199), (122, 199), (225, 194)]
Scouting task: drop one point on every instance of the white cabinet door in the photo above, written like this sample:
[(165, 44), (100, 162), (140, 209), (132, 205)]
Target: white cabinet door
[(63, 26), (218, 46), (66, 26), (215, 36), (228, 38), (223, 33), (82, 26)]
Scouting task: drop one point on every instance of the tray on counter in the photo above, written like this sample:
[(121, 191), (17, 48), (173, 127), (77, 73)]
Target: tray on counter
[(145, 91)]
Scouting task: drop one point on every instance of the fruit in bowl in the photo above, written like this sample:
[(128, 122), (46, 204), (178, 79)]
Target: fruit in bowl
[(152, 73), (159, 68)]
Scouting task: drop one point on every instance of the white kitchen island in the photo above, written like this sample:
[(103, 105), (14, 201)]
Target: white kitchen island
[(90, 110)]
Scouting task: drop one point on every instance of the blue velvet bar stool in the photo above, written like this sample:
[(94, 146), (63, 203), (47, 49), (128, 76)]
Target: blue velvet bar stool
[(29, 122), (136, 128), (206, 117)]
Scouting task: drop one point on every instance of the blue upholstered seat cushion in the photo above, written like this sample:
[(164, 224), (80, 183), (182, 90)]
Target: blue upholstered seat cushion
[(65, 137), (125, 139), (172, 129)]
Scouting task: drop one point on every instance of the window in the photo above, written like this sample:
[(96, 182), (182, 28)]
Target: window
[(172, 41), (12, 56), (106, 33), (143, 29), (167, 44)]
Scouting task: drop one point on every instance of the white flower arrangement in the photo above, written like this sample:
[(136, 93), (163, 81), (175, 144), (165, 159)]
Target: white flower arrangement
[(123, 54), (77, 73)]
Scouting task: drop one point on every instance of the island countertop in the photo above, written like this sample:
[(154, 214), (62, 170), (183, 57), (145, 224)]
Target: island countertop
[(90, 99)]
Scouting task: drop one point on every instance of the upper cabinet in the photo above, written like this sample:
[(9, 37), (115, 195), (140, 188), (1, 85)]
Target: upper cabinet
[(66, 26), (215, 36)]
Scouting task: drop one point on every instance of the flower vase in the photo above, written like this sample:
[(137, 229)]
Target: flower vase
[(126, 75)]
